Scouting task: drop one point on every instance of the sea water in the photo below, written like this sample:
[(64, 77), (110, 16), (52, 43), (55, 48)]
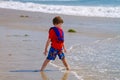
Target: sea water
[(98, 60), (99, 8), (90, 58)]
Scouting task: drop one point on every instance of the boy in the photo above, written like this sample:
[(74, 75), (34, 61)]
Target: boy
[(56, 38)]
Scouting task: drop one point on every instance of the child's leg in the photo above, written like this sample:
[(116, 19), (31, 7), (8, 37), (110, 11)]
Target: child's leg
[(44, 64), (65, 64)]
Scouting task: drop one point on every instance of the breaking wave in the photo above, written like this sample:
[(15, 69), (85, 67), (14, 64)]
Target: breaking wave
[(95, 11)]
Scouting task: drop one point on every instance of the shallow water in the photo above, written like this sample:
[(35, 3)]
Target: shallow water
[(98, 60)]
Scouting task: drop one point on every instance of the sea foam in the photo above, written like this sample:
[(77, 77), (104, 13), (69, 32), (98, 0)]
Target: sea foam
[(95, 11)]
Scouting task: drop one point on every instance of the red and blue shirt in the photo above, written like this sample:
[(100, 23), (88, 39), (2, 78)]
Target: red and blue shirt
[(54, 43)]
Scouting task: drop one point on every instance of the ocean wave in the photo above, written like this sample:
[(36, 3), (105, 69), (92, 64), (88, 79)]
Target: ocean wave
[(95, 11)]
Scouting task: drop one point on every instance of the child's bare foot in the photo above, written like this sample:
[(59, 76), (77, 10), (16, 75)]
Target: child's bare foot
[(41, 69)]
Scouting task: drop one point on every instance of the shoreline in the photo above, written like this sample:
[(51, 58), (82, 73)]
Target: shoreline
[(85, 10), (53, 14)]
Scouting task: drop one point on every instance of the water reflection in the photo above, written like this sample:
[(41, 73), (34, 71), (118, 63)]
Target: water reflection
[(44, 76)]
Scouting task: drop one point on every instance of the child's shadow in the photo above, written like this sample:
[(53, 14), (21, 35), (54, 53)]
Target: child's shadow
[(25, 71), (44, 76), (30, 70)]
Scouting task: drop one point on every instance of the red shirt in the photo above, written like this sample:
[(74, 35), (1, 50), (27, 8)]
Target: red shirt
[(53, 37)]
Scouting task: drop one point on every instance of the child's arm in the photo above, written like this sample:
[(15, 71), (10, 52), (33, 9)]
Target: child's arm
[(64, 48), (46, 46)]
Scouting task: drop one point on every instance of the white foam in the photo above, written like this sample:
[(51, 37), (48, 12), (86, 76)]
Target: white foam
[(73, 72), (67, 10), (79, 77)]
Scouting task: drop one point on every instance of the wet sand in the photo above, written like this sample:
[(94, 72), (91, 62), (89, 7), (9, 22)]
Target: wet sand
[(22, 41)]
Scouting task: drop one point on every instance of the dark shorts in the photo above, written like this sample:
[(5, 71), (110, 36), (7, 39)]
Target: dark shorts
[(53, 53)]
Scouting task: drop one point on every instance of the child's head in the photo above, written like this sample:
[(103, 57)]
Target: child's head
[(57, 20)]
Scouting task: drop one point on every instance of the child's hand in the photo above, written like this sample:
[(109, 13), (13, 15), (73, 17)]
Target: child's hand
[(45, 52), (65, 50)]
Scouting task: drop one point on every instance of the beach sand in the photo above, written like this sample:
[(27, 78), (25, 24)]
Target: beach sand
[(22, 40)]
